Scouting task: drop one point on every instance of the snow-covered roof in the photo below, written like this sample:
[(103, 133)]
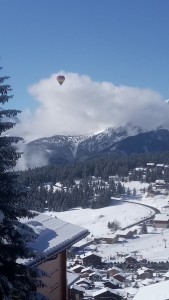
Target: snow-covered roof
[(156, 291), (72, 277), (86, 269), (120, 274), (160, 165), (115, 268), (150, 164), (166, 274), (78, 288), (84, 280), (54, 235), (160, 181), (82, 243), (113, 291), (89, 254), (161, 217), (76, 267), (131, 255), (124, 232), (139, 169), (142, 270)]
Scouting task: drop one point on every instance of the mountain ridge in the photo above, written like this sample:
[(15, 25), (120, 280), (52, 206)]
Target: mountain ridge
[(62, 149)]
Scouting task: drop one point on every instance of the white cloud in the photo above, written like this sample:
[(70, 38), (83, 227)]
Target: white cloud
[(83, 106)]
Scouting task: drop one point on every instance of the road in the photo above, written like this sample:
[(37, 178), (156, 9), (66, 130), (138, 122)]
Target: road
[(155, 211)]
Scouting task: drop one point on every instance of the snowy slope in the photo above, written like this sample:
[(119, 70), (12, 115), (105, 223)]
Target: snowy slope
[(150, 246)]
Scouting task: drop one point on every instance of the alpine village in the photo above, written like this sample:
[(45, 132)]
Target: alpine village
[(92, 223)]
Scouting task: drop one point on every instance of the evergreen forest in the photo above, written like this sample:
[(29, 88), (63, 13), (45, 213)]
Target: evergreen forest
[(90, 183)]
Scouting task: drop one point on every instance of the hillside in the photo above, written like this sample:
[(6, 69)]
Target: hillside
[(122, 140), (149, 246)]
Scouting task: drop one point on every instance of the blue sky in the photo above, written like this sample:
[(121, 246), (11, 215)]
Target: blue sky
[(122, 42)]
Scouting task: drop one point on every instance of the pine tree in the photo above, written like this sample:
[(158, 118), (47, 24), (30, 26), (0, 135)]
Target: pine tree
[(128, 191), (134, 192), (144, 228), (16, 279)]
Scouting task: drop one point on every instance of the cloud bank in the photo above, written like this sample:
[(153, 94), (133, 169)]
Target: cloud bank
[(83, 106)]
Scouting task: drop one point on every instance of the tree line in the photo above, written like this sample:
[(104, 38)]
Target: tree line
[(119, 165), (96, 186)]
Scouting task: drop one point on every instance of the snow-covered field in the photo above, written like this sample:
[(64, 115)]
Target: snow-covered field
[(151, 246), (96, 220)]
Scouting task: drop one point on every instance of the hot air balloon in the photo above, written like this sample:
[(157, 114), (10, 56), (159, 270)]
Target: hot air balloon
[(60, 79)]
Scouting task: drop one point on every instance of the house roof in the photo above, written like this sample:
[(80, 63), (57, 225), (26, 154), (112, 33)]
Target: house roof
[(143, 270), (115, 268), (160, 181), (78, 288), (140, 169), (89, 254), (111, 280), (166, 274), (161, 217), (124, 232), (54, 236), (76, 267), (119, 274), (72, 278), (156, 291), (160, 165), (84, 280), (113, 291), (132, 256), (87, 269)]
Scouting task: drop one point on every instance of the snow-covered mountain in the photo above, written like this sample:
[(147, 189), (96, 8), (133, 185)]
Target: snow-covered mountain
[(127, 139)]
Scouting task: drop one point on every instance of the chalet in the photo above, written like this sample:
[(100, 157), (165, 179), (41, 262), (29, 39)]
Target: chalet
[(76, 292), (161, 221), (85, 273), (150, 194), (89, 270), (144, 273), (77, 268), (95, 276), (160, 166), (109, 239), (139, 169), (72, 278), (113, 271), (166, 275), (160, 184), (131, 259), (83, 282), (112, 284), (107, 293), (150, 165), (80, 245), (54, 238), (156, 291), (91, 259), (127, 233), (120, 277)]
